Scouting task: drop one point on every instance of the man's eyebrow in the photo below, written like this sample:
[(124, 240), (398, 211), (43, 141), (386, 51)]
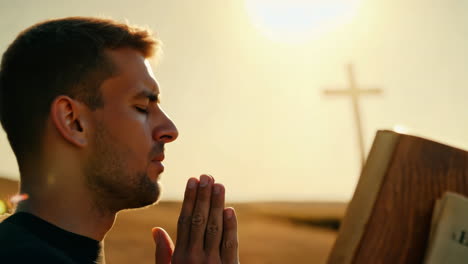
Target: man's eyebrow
[(150, 95)]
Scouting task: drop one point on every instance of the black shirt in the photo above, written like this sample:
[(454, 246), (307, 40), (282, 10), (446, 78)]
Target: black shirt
[(25, 238)]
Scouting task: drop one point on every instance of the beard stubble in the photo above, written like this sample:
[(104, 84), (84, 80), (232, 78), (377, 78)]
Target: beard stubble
[(112, 183)]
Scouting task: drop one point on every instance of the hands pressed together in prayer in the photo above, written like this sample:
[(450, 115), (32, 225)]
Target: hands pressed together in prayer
[(206, 230)]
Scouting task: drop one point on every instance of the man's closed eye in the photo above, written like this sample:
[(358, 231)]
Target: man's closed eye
[(141, 109)]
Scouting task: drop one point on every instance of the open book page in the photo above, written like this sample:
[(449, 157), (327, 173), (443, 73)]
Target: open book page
[(435, 218), (448, 243)]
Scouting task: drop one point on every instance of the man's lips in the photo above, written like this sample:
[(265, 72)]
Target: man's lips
[(159, 158)]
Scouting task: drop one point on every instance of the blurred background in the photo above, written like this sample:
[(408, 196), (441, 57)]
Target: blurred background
[(244, 81)]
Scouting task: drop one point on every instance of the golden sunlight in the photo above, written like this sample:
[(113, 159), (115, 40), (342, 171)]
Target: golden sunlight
[(299, 20)]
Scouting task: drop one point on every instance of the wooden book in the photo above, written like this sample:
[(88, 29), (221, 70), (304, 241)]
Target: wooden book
[(389, 217)]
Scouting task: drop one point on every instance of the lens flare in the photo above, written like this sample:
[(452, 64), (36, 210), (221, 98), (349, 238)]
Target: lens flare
[(401, 129), (18, 198)]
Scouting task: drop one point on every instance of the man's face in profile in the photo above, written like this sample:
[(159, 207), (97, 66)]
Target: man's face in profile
[(130, 130)]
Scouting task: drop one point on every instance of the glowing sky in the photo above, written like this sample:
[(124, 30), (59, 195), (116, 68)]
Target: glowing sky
[(250, 108)]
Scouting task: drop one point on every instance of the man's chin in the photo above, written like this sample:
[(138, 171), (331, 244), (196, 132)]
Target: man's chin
[(142, 204), (146, 195), (151, 197)]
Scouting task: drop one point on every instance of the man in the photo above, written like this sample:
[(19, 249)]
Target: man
[(80, 106)]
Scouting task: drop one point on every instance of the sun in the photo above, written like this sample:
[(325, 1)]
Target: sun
[(299, 20)]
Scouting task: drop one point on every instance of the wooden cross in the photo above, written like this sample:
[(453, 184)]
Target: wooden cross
[(355, 92)]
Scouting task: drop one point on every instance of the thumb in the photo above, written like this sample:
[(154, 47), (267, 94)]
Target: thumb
[(164, 246)]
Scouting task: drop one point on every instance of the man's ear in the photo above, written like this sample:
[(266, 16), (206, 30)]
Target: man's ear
[(68, 117)]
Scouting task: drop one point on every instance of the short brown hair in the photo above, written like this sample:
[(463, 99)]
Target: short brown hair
[(59, 57)]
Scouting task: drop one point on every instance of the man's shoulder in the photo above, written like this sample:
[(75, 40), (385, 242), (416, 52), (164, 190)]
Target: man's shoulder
[(4, 216), (17, 245), (10, 232)]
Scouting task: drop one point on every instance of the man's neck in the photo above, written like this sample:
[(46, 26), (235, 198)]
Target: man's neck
[(68, 206)]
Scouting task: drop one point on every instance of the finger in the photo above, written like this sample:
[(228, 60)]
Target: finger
[(230, 244), (200, 213), (185, 217), (214, 228), (164, 246)]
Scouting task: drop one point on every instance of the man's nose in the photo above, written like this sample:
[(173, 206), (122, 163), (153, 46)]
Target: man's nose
[(165, 131)]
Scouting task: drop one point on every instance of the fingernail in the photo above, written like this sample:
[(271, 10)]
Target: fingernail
[(228, 213), (217, 189), (209, 175), (161, 244), (192, 183), (158, 238), (204, 180)]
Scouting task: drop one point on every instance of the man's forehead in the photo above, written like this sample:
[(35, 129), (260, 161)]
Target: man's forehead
[(134, 75), (150, 69), (151, 82)]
